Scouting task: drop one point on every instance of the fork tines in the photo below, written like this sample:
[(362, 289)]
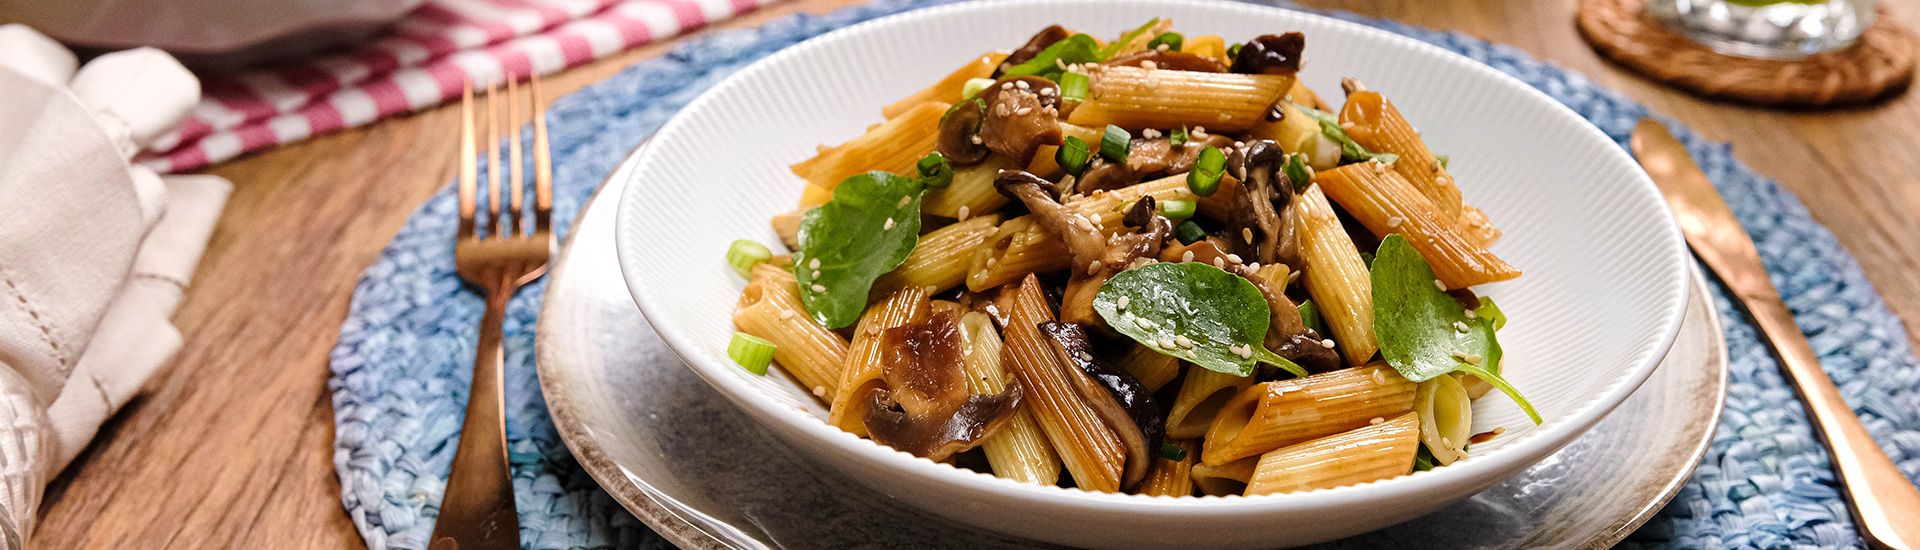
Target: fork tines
[(517, 221)]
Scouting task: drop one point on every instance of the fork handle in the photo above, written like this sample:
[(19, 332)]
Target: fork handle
[(1885, 503), (477, 512)]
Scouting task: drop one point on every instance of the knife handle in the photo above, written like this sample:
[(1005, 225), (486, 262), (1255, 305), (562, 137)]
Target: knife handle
[(1885, 503)]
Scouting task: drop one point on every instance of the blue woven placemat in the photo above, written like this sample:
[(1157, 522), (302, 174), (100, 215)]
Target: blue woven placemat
[(401, 368)]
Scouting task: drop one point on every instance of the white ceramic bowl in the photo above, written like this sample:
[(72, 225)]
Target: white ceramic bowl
[(1603, 294)]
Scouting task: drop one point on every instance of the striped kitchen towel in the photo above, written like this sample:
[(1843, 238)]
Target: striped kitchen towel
[(419, 62)]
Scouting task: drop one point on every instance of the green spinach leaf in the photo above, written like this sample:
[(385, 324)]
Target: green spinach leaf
[(868, 228), (1071, 50), (1192, 311), (1350, 151), (1423, 332)]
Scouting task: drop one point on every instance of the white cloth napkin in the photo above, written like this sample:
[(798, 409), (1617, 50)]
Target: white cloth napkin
[(95, 252)]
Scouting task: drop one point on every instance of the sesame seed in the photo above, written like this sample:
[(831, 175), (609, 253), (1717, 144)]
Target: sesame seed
[(873, 330), (1167, 343), (1186, 256), (1446, 442), (1235, 258), (1094, 219), (1023, 111), (1380, 377), (1150, 133), (1225, 117), (1153, 83), (1047, 92), (1006, 85), (1459, 326), (975, 139), (1293, 276), (1199, 129), (1164, 47), (991, 261), (1239, 144), (1346, 125), (813, 264), (1022, 84), (1002, 109), (1149, 64), (1376, 420), (1062, 64), (1220, 262), (1084, 356), (1183, 341), (814, 275), (1326, 343), (1246, 234), (888, 226), (1470, 314), (1439, 285), (1394, 221), (786, 314), (1255, 266), (964, 212), (1244, 351), (903, 202), (1123, 301), (1145, 323), (817, 287), (819, 391), (1093, 266)]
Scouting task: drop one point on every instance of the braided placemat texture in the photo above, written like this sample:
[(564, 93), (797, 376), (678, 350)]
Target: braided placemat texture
[(401, 369)]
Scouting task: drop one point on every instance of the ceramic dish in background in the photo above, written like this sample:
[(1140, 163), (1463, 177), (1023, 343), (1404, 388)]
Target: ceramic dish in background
[(1600, 304), (700, 473)]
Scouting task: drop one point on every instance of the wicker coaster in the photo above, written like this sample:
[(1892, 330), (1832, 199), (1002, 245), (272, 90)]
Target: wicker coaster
[(1881, 61)]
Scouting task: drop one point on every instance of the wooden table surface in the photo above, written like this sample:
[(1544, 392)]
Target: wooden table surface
[(232, 446)]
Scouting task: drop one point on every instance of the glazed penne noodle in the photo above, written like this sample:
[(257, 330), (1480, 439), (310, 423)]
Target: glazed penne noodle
[(940, 259), (1019, 451), (1384, 202), (1022, 247), (862, 372), (1199, 398), (1154, 369), (1172, 478), (1337, 279), (1373, 122), (949, 89), (894, 146), (787, 227), (770, 308), (1375, 452), (1272, 415), (1225, 479), (1446, 418), (1087, 447), (970, 194), (1132, 97), (1210, 46)]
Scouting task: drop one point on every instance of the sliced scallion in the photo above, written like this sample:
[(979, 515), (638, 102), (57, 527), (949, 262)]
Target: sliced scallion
[(1204, 178), (1073, 86), (1177, 209), (974, 86), (751, 352), (1189, 232), (1178, 138), (1073, 155), (1170, 451), (743, 254), (1172, 40), (1113, 144), (935, 170)]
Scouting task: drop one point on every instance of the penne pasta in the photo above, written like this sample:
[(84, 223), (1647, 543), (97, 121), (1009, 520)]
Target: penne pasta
[(1275, 414), (1136, 98), (1210, 46), (1199, 398), (971, 191), (940, 259), (787, 227), (1225, 479), (1385, 203), (1154, 369), (1087, 447), (1446, 418), (1172, 478), (948, 89), (1376, 124), (1021, 247), (1336, 278), (1371, 453), (894, 146), (1018, 451), (862, 372), (770, 308), (1296, 132)]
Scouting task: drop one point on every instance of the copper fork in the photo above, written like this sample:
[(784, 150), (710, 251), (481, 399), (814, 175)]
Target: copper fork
[(496, 255)]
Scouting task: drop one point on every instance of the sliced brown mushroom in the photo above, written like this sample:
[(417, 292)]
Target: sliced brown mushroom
[(1033, 47), (927, 410), (1124, 405), (1147, 159), (1082, 239), (1271, 54), (1022, 114), (1260, 224), (959, 133), (1093, 257), (1170, 61)]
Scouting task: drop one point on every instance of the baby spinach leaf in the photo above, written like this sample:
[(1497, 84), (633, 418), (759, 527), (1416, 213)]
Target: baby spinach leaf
[(1310, 316), (1192, 311), (1423, 460), (868, 228), (1423, 332), (1350, 150), (1071, 50)]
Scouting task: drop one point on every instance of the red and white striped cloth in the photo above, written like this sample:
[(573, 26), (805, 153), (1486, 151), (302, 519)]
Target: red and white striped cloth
[(419, 62)]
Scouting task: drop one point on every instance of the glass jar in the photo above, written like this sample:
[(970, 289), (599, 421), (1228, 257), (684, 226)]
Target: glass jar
[(1772, 29)]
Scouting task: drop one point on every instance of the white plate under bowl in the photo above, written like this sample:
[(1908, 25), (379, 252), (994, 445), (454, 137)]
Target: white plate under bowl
[(1602, 299), (697, 471)]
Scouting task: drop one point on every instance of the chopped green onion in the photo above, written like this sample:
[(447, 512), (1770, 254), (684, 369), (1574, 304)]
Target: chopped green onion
[(1073, 86), (744, 254), (1172, 40), (752, 352), (1233, 52), (1178, 138), (1204, 178), (1170, 451), (1298, 172), (1310, 316), (1177, 209), (1443, 160), (1189, 232), (1114, 143), (1072, 155), (935, 170), (974, 86)]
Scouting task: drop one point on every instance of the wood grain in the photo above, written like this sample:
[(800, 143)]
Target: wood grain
[(231, 447)]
